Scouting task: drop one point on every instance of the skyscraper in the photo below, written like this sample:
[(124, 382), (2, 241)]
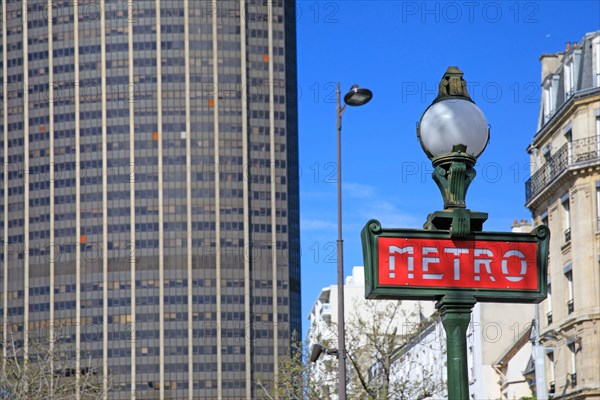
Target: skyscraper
[(149, 199)]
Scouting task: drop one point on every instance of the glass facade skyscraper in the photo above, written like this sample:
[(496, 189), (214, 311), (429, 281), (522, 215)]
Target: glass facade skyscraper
[(149, 196)]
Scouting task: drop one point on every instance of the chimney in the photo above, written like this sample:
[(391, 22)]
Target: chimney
[(574, 45), (568, 46)]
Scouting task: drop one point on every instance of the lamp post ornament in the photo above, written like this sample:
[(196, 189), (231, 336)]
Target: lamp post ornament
[(452, 260)]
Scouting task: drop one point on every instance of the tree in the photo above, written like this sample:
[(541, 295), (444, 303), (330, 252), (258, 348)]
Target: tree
[(47, 373), (381, 362), (381, 336), (294, 378)]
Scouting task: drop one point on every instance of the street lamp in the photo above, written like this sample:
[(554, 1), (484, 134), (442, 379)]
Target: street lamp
[(355, 97), (443, 261), (319, 349), (453, 132)]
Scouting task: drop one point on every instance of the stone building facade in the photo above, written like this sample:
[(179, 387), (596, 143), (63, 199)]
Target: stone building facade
[(564, 193)]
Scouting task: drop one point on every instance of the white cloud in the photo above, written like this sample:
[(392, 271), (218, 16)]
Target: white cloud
[(361, 203), (358, 190), (388, 214)]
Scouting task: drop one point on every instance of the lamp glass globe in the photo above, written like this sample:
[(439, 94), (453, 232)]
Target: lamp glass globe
[(452, 122)]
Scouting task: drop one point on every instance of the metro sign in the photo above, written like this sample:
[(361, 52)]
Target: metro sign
[(452, 263), (425, 264)]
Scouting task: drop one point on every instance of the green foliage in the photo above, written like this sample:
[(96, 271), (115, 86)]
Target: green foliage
[(294, 378)]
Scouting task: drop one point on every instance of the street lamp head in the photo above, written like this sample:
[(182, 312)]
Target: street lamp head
[(319, 349), (453, 123), (453, 132), (316, 352), (358, 96)]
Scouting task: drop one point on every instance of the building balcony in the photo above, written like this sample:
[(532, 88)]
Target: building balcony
[(578, 152)]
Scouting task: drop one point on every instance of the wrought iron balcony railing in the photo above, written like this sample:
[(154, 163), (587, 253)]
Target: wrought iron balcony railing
[(576, 152)]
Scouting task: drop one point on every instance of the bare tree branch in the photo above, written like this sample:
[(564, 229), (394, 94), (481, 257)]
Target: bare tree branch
[(47, 372), (374, 336)]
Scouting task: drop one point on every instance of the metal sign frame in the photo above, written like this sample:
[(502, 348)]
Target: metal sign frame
[(374, 290)]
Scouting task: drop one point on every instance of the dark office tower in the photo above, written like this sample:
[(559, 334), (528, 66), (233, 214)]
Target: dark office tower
[(149, 200)]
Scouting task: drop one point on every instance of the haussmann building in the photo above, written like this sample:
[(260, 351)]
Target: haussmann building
[(564, 193)]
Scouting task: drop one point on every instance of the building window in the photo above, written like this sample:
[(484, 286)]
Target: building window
[(573, 374), (569, 277), (549, 304), (549, 96), (569, 139), (598, 205), (546, 153), (544, 218), (569, 79), (597, 58), (598, 133), (550, 355), (548, 102), (567, 219)]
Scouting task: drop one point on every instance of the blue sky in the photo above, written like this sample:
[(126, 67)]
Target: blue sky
[(400, 50)]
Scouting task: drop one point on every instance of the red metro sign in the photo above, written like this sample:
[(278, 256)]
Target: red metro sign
[(460, 264), (421, 264)]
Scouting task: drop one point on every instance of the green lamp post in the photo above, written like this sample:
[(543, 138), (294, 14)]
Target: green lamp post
[(407, 264), (453, 133)]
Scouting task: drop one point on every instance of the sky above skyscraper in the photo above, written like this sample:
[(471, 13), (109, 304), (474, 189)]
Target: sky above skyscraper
[(400, 50)]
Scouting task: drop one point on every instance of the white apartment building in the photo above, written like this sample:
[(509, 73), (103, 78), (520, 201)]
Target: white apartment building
[(324, 317), (423, 359)]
